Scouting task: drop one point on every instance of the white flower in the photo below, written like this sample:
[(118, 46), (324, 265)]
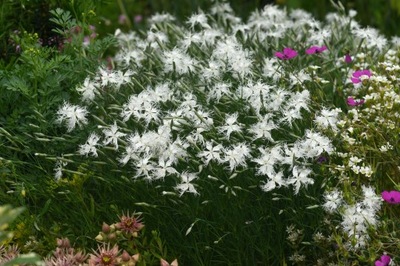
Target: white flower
[(161, 18), (106, 77), (333, 200), (112, 135), (237, 155), (177, 60), (299, 78), (122, 78), (218, 90), (130, 153), (88, 89), (315, 144), (356, 221), (328, 119), (300, 177), (273, 182), (143, 167), (90, 146), (271, 68), (268, 160), (185, 185), (231, 125), (73, 115), (198, 19), (263, 128), (211, 152), (164, 168), (371, 199)]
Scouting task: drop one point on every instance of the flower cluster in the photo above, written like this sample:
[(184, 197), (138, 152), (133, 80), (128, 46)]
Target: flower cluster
[(219, 111), (129, 226), (109, 252)]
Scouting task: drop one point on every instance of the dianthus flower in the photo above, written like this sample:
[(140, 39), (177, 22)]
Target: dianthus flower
[(392, 197), (316, 49), (287, 53), (383, 261), (360, 75), (354, 102)]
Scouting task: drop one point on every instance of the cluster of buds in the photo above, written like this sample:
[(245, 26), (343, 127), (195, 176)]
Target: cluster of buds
[(127, 260), (107, 234)]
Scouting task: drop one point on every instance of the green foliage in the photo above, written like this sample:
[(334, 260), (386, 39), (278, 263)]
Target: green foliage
[(232, 221), (7, 215)]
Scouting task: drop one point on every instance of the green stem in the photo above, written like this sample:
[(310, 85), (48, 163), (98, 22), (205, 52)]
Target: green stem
[(123, 11)]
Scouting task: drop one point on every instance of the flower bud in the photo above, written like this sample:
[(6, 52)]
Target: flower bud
[(99, 238), (105, 228), (125, 256), (112, 236)]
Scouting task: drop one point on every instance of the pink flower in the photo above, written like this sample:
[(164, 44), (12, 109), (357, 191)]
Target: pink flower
[(104, 255), (138, 18), (392, 197), (383, 261), (347, 59), (130, 224), (287, 53), (122, 19), (354, 102), (360, 75), (316, 49)]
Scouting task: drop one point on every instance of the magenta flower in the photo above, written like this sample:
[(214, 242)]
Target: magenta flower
[(383, 261), (287, 53), (392, 197), (316, 49), (360, 75), (347, 59), (354, 102)]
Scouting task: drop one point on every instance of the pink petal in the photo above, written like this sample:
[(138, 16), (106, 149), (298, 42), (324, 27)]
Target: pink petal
[(357, 74), (385, 259), (290, 53), (385, 195), (366, 72), (312, 50), (355, 80), (279, 55), (350, 101), (392, 197)]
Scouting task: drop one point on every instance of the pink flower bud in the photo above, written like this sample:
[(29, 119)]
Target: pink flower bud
[(106, 228)]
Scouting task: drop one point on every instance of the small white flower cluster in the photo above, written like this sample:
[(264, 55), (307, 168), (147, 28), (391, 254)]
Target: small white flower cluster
[(357, 218)]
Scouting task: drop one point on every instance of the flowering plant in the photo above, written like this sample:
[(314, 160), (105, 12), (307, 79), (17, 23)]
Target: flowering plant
[(205, 111), (208, 119)]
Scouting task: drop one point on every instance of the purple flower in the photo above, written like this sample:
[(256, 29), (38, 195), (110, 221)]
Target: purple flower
[(287, 53), (322, 159), (316, 49), (392, 197), (360, 75), (354, 102), (347, 59), (383, 261)]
